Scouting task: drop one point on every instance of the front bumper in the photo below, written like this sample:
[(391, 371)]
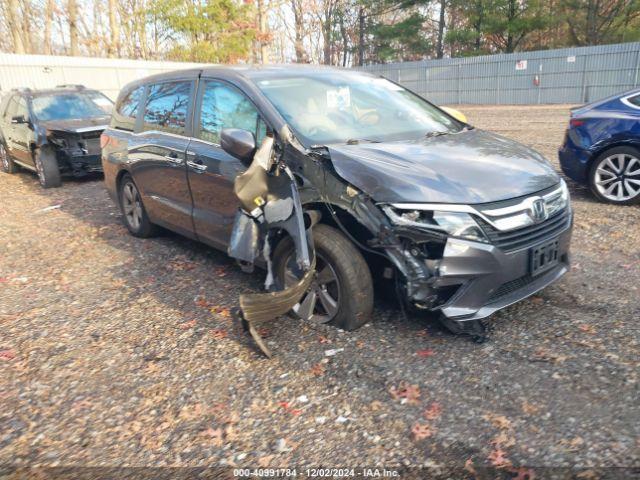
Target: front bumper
[(80, 165), (490, 279)]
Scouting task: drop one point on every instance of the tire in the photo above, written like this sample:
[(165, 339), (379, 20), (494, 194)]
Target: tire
[(6, 162), (47, 168), (614, 176), (134, 214), (336, 256)]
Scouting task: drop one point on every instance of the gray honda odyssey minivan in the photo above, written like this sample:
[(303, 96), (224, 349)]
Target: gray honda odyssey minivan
[(461, 221)]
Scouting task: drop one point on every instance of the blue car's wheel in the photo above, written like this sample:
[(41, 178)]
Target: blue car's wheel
[(615, 176)]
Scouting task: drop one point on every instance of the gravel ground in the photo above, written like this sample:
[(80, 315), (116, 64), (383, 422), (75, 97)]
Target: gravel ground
[(117, 351)]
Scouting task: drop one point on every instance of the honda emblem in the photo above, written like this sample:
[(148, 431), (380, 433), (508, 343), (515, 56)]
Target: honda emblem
[(539, 210)]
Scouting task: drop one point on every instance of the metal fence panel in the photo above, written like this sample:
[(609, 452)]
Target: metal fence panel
[(568, 75), (108, 75)]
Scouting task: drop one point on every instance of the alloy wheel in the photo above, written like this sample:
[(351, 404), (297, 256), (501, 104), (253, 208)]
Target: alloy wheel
[(617, 177), (132, 205), (321, 303), (4, 156)]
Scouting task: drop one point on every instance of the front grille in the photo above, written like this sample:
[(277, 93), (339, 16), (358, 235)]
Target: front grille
[(510, 287), (527, 236)]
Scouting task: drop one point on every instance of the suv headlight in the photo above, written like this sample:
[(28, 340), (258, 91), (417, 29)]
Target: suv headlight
[(455, 224)]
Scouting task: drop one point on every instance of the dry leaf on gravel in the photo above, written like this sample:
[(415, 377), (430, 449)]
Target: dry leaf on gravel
[(503, 440), (219, 334), (498, 458), (498, 421), (318, 369), (407, 392), (433, 411), (523, 473), (468, 466), (425, 353), (7, 355), (214, 435), (529, 408), (421, 431), (188, 325)]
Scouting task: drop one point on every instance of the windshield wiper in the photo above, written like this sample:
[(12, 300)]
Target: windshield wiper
[(435, 134)]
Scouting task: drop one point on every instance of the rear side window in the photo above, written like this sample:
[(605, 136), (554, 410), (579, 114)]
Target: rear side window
[(22, 108), (166, 107), (635, 100), (224, 106), (128, 107), (12, 107)]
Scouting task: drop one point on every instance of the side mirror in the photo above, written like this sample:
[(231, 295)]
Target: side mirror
[(19, 119), (238, 143)]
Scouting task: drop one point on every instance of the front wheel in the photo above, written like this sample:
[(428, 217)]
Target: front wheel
[(342, 292), (135, 215), (5, 160), (47, 168), (615, 176)]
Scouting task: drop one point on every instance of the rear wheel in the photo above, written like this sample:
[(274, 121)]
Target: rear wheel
[(615, 176), (47, 168), (5, 160), (135, 216), (342, 292)]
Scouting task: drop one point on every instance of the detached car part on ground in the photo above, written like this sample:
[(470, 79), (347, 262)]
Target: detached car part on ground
[(458, 221), (53, 132), (601, 148)]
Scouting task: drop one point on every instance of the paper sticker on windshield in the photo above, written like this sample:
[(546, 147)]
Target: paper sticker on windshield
[(339, 97)]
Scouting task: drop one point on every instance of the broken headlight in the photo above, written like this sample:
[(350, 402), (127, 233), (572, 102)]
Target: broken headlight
[(455, 224)]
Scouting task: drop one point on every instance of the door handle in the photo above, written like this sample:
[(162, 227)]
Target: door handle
[(196, 166), (173, 158)]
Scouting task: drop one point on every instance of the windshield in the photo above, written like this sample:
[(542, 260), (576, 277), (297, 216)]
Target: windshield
[(339, 107), (65, 106)]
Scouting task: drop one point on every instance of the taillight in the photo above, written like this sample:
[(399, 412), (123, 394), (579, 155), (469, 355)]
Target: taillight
[(104, 140), (576, 122)]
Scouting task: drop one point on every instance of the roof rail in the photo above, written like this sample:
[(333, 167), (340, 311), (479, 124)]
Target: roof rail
[(21, 90), (77, 86)]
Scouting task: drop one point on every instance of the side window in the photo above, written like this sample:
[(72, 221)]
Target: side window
[(224, 106), (22, 108), (10, 112), (635, 100), (128, 107), (166, 107)]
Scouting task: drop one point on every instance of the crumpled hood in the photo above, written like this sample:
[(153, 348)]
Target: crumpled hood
[(77, 125), (469, 167)]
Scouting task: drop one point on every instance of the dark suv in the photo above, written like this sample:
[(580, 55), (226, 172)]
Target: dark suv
[(53, 132), (460, 221)]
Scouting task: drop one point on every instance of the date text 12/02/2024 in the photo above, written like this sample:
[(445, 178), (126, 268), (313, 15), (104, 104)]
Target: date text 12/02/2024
[(315, 472)]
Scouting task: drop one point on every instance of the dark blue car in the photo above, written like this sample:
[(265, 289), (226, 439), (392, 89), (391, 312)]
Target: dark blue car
[(601, 148)]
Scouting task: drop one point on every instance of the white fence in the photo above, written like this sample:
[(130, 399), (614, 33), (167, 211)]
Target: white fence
[(108, 75)]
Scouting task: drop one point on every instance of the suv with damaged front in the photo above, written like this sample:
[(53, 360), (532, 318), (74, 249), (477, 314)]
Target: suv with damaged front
[(332, 179), (53, 132)]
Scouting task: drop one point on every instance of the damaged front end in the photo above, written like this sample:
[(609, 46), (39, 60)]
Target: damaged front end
[(77, 151), (269, 203)]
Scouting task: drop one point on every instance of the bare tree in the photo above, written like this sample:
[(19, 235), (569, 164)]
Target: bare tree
[(114, 29), (13, 19), (74, 48)]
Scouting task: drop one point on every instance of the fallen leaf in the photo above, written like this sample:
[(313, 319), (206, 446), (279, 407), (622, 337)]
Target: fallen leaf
[(323, 339), (498, 421), (375, 405), (265, 461), (433, 411), (498, 458), (188, 325), (7, 355), (215, 435), (318, 369), (421, 431), (502, 440), (201, 302), (523, 473), (410, 393), (590, 329), (426, 353), (468, 466), (529, 408), (219, 334)]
